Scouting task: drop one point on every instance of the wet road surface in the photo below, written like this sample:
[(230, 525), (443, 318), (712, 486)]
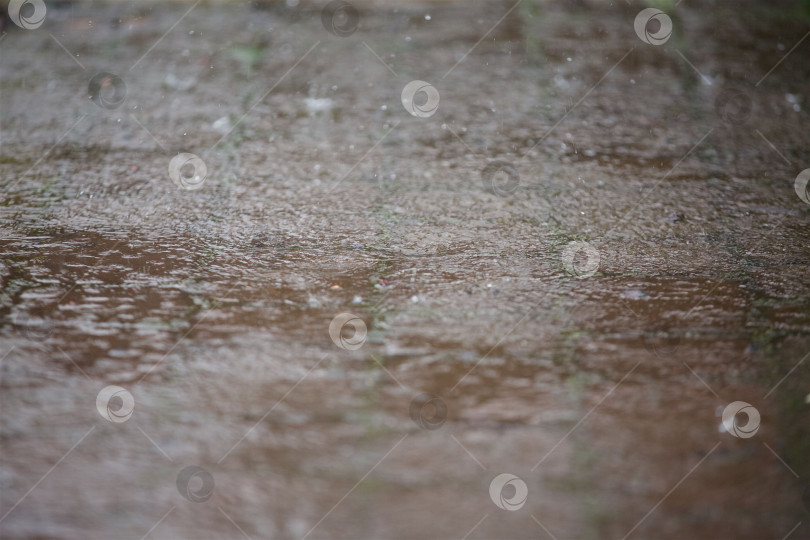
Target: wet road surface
[(578, 315)]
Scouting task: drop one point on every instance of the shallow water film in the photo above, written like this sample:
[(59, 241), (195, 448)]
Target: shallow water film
[(375, 269)]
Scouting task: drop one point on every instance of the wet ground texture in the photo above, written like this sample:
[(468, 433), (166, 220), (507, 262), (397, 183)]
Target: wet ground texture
[(567, 268)]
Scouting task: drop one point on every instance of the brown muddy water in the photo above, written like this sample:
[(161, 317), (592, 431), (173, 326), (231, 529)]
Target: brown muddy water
[(565, 259)]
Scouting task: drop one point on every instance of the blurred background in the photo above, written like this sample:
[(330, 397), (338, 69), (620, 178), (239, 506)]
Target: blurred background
[(325, 269)]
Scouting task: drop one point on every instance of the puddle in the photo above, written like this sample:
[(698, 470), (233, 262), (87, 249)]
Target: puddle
[(487, 345)]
